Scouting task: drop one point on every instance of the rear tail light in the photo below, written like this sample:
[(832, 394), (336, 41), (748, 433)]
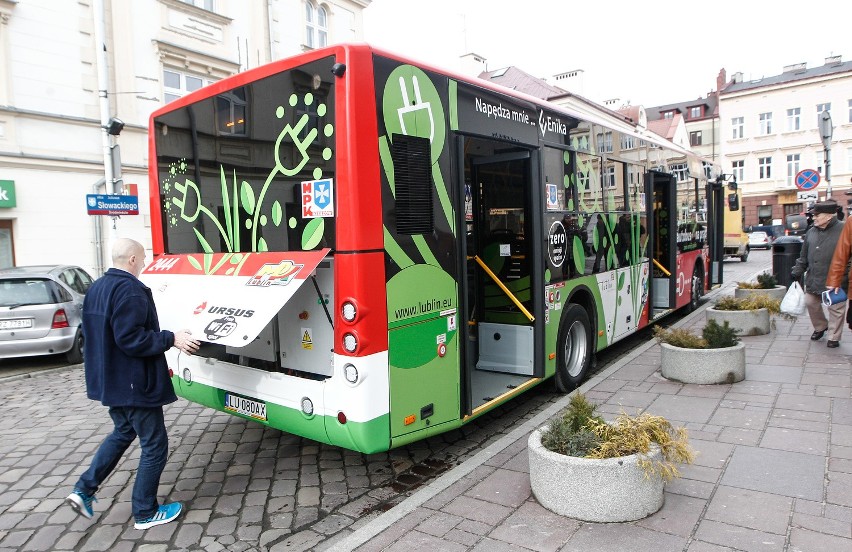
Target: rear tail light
[(59, 320)]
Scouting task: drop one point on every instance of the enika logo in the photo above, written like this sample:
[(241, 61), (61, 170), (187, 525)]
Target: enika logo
[(278, 274)]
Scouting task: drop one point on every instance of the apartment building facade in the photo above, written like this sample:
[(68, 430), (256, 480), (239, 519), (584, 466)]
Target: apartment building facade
[(770, 132), (53, 145)]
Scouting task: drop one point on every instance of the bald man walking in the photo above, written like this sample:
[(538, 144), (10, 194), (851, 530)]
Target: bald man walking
[(126, 371)]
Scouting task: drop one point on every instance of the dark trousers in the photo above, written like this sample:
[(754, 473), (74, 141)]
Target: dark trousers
[(148, 424)]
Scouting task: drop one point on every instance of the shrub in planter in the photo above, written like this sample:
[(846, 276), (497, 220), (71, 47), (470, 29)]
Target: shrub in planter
[(766, 284), (585, 468), (715, 357), (751, 314)]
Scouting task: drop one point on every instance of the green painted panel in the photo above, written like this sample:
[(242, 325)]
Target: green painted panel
[(419, 377)]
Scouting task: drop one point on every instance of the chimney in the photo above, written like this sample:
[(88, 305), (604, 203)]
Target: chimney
[(721, 79), (795, 67), (473, 64), (832, 60), (737, 78)]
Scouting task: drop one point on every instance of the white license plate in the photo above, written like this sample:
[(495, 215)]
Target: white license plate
[(16, 324), (246, 407)]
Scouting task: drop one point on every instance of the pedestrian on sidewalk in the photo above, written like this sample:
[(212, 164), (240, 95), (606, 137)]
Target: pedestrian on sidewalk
[(126, 371), (813, 263), (840, 269)]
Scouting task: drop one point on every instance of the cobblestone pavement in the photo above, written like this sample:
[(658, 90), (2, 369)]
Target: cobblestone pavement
[(245, 486)]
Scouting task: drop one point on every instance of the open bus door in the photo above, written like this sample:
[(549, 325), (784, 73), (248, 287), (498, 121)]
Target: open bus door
[(662, 189), (716, 228), (497, 301)]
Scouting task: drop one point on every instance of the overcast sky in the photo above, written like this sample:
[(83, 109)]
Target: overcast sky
[(650, 53)]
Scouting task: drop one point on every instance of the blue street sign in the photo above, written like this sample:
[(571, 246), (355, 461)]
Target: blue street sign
[(101, 204), (807, 179)]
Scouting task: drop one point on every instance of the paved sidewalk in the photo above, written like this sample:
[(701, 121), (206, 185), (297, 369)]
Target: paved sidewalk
[(773, 471)]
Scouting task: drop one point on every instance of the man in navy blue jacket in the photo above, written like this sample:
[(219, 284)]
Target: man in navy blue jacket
[(126, 371)]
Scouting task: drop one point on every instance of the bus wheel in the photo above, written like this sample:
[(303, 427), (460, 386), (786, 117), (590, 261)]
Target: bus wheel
[(697, 289), (573, 348), (744, 256)]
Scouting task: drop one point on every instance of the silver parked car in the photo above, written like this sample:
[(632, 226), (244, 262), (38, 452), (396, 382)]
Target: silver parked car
[(41, 311)]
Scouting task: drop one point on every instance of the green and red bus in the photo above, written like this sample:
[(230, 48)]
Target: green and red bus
[(374, 251)]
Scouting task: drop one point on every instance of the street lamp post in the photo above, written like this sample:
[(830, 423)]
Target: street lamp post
[(825, 131)]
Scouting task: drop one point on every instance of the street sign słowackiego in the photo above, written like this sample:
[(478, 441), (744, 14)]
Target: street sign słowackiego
[(102, 204)]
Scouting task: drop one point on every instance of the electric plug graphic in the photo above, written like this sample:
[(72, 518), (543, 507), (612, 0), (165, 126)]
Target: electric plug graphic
[(301, 145), (417, 114), (181, 202)]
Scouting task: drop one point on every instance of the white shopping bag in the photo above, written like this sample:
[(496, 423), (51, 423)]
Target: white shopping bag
[(794, 300)]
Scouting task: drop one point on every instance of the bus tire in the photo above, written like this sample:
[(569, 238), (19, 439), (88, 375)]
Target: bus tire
[(744, 256), (573, 348), (697, 288)]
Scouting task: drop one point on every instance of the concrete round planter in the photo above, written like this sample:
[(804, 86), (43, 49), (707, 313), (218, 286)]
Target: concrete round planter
[(777, 292), (609, 490), (703, 366), (747, 322)]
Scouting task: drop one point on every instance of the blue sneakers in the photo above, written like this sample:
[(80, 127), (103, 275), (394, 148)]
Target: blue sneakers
[(81, 502), (164, 514)]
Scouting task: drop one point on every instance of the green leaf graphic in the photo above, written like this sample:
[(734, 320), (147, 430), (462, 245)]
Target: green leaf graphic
[(247, 197), (261, 245), (194, 262), (312, 233), (579, 255), (277, 213), (621, 280)]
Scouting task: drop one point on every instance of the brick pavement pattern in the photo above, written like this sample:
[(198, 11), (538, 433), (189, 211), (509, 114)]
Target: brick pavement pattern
[(773, 471)]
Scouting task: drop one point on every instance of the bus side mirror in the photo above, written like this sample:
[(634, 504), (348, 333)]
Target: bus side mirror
[(733, 202)]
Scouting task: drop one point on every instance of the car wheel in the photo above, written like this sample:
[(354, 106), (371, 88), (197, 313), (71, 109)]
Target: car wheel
[(574, 348), (75, 354)]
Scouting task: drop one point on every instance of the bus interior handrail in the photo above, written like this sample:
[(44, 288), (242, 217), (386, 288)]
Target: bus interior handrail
[(508, 293), (661, 267)]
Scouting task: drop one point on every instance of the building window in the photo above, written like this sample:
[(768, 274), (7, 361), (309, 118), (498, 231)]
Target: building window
[(792, 168), (820, 108), (738, 170), (765, 123), (605, 142), (203, 4), (849, 159), (316, 25), (177, 84), (609, 177), (737, 126), (680, 171), (850, 110), (231, 112), (764, 165), (627, 142), (695, 138), (820, 160), (695, 112), (793, 116), (668, 114)]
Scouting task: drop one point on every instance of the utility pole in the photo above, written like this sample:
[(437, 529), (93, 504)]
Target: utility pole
[(103, 95)]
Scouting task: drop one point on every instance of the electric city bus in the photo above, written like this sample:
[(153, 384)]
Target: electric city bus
[(374, 251)]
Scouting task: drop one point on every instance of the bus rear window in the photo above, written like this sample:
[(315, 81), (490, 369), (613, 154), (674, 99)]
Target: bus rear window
[(251, 168)]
